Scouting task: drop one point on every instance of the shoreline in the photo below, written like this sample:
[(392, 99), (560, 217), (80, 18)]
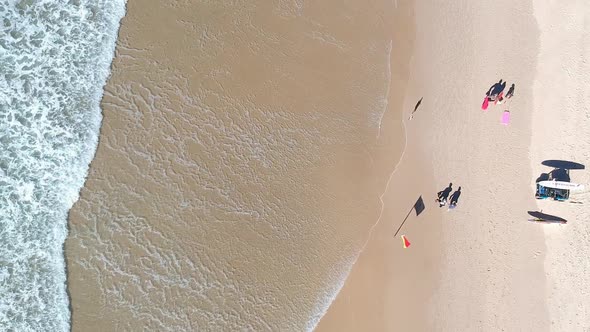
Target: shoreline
[(219, 156), (376, 295), (152, 221)]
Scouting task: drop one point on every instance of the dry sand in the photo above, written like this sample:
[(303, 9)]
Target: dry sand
[(492, 271), (490, 276), (561, 126)]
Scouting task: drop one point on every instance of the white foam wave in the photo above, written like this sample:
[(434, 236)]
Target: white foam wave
[(55, 58)]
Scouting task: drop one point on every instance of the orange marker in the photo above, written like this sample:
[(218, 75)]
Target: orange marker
[(405, 241)]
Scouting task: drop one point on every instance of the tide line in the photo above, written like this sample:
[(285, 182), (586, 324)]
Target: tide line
[(370, 234)]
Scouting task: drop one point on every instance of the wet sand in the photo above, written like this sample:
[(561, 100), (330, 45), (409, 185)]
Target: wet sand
[(233, 188), (243, 152), (390, 287)]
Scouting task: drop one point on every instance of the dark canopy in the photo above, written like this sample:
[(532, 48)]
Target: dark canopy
[(563, 164)]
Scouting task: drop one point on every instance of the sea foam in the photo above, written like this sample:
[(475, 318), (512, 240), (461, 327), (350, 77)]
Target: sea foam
[(54, 61)]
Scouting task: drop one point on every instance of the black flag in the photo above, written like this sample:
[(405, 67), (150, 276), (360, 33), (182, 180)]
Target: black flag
[(419, 206)]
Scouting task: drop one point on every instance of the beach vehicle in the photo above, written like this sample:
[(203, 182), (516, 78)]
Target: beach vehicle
[(556, 184), (544, 192), (558, 190)]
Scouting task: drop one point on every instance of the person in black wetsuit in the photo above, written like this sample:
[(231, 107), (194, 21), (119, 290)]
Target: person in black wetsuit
[(495, 90), (510, 92), (444, 194), (455, 197)]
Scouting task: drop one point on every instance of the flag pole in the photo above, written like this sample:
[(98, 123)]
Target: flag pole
[(403, 222)]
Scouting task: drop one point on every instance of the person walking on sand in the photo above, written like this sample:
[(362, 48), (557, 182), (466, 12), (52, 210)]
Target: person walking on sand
[(492, 91), (500, 95), (510, 92), (455, 197), (444, 194), (495, 92)]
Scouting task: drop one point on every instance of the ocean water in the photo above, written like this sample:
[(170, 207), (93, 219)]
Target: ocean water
[(243, 153), (54, 61)]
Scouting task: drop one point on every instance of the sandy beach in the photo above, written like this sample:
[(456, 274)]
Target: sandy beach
[(255, 162), (483, 266), (492, 267), (389, 287), (561, 125)]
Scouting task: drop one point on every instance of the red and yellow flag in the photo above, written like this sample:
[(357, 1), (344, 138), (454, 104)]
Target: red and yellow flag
[(405, 241)]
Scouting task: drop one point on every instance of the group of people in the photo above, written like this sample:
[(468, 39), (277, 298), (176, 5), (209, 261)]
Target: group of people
[(443, 196), (496, 92)]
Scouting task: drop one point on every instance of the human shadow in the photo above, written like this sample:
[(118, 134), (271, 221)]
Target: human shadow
[(545, 218), (455, 197), (562, 164), (443, 195)]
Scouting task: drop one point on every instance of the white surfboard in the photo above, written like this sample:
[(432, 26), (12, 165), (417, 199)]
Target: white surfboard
[(562, 185)]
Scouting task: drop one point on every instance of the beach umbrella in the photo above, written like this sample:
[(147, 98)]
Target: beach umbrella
[(405, 241)]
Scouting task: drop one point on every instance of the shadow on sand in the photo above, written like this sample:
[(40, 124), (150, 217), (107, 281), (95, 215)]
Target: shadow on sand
[(564, 164), (558, 174), (546, 218), (418, 207)]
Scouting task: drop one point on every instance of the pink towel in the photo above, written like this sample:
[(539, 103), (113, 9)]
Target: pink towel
[(506, 118)]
